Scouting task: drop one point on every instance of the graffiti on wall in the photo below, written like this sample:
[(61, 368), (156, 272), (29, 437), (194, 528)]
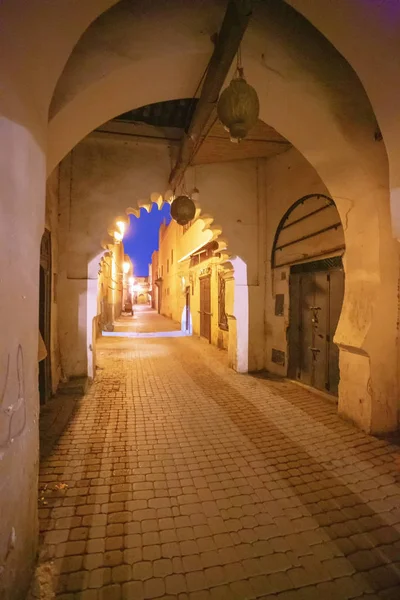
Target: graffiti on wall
[(12, 404)]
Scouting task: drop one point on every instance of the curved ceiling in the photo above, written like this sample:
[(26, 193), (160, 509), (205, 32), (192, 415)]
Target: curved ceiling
[(128, 58)]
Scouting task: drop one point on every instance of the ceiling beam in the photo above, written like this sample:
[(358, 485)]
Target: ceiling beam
[(234, 25)]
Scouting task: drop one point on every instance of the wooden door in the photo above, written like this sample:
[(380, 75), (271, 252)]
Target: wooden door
[(316, 299), (45, 315), (205, 308)]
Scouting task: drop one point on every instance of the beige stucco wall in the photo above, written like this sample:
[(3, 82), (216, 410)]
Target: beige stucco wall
[(29, 72), (99, 181), (22, 211)]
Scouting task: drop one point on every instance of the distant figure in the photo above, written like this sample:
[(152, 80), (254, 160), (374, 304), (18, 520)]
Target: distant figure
[(128, 307), (42, 351)]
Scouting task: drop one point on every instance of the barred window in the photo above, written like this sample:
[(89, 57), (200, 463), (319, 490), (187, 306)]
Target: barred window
[(222, 317)]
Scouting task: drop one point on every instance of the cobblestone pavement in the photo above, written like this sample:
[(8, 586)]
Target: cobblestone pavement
[(145, 320), (186, 480)]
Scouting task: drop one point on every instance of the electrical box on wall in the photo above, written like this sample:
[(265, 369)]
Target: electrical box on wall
[(278, 357)]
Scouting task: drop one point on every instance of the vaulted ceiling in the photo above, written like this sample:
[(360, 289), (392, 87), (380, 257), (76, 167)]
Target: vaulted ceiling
[(169, 120)]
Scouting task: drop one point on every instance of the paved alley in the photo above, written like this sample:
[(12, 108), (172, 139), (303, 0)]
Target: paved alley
[(178, 478), (145, 321)]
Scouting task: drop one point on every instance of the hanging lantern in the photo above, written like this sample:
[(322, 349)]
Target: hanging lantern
[(183, 210), (238, 107)]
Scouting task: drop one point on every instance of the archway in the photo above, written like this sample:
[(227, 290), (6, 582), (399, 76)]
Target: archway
[(357, 180), (325, 114), (308, 282)]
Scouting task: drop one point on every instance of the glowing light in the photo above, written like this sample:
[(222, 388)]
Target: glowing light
[(127, 267), (121, 226), (137, 288), (131, 280), (118, 237)]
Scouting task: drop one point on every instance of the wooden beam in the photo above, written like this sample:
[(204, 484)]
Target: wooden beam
[(234, 25)]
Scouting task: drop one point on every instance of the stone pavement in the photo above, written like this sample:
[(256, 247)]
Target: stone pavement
[(178, 478), (145, 320)]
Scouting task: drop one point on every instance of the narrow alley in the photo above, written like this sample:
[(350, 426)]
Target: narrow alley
[(176, 477)]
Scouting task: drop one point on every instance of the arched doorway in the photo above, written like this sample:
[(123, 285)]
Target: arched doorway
[(308, 249)]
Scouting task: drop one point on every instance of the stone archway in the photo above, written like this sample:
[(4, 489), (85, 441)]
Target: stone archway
[(30, 72), (327, 117)]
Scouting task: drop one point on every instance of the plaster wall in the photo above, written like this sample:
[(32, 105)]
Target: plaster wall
[(168, 256), (99, 181), (154, 277), (33, 52), (234, 194), (376, 25), (364, 358), (51, 223), (22, 212)]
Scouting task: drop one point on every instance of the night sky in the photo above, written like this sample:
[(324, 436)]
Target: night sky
[(141, 237)]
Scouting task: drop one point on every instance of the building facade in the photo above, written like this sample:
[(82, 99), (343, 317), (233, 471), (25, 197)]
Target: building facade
[(192, 280)]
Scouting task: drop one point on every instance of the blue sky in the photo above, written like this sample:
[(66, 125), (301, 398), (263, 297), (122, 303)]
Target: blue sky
[(141, 237)]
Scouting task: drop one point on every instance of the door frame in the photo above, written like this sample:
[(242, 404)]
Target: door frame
[(45, 290)]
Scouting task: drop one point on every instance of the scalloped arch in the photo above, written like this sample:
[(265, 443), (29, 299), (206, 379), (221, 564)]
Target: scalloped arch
[(159, 200)]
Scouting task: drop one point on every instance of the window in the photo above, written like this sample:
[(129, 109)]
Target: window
[(167, 265), (222, 316), (162, 270), (172, 257)]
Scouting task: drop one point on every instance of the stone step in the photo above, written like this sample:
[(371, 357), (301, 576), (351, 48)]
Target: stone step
[(75, 386)]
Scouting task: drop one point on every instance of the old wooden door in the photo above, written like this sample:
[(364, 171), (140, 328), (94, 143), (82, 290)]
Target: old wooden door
[(205, 308), (316, 297), (44, 315)]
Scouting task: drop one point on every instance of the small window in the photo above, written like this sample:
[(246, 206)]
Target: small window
[(167, 265), (279, 305), (162, 270), (172, 257)]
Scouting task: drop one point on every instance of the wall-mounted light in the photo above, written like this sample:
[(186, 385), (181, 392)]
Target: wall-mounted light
[(118, 237), (127, 267)]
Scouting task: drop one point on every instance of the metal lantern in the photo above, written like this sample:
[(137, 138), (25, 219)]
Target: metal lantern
[(183, 210), (238, 108)]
